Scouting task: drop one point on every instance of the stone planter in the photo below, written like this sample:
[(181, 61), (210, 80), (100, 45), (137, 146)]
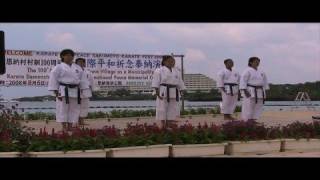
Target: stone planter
[(301, 145), (254, 147), (141, 151), (10, 154), (80, 154), (198, 150), (46, 154)]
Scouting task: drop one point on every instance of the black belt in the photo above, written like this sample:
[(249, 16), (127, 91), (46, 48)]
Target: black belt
[(168, 91), (66, 91), (255, 92), (231, 86)]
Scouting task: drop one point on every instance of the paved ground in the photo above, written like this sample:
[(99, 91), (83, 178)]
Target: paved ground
[(271, 118)]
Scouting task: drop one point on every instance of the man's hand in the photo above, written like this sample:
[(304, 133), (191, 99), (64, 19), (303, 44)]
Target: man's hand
[(223, 90), (158, 94), (56, 92), (182, 92), (58, 95), (246, 93)]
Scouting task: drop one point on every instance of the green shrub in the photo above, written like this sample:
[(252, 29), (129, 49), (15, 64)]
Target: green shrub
[(202, 111), (238, 109)]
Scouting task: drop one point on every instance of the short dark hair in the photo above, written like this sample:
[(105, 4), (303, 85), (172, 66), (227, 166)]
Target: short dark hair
[(226, 60), (165, 58), (80, 59), (65, 52), (251, 59)]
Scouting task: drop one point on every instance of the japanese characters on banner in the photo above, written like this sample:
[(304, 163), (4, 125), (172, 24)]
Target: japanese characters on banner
[(32, 68)]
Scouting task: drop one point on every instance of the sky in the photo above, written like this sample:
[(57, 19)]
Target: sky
[(289, 52)]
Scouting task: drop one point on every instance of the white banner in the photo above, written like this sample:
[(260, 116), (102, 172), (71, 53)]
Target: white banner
[(32, 68)]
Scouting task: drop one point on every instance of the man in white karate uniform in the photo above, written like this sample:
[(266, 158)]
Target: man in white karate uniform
[(181, 92), (66, 80), (253, 85), (228, 84), (168, 85), (85, 93)]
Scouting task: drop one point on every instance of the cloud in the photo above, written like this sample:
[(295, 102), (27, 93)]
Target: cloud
[(235, 34), (195, 55), (208, 33), (129, 31), (285, 48), (63, 40), (198, 61)]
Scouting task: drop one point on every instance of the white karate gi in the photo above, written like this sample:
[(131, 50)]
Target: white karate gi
[(229, 100), (63, 73), (250, 108), (167, 110), (86, 94)]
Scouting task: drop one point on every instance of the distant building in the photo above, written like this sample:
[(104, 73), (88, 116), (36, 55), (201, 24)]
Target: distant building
[(193, 82), (199, 82)]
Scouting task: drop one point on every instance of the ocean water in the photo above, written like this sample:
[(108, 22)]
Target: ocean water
[(106, 106)]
